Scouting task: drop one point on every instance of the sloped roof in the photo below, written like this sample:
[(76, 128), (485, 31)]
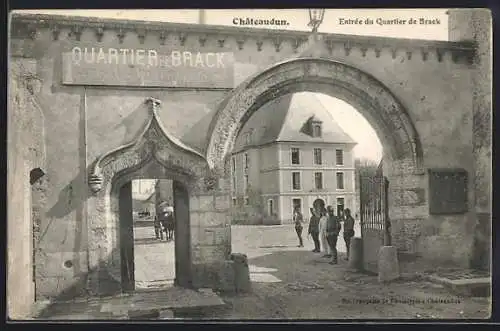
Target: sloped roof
[(286, 119)]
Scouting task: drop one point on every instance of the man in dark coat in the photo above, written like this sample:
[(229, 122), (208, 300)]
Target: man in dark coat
[(333, 227), (314, 230)]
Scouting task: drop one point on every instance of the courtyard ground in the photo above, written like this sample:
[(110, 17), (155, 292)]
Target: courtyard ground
[(288, 282), (294, 283)]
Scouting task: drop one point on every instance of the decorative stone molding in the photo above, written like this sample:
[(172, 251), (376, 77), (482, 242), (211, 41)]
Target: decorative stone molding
[(121, 35), (408, 55), (377, 52), (259, 45), (330, 45), (55, 32), (182, 38), (439, 54), (221, 42), (153, 143), (240, 42), (99, 33), (363, 51), (32, 31), (76, 32), (162, 37), (315, 75), (202, 39), (141, 34), (425, 54), (277, 43), (347, 48), (459, 50), (394, 52)]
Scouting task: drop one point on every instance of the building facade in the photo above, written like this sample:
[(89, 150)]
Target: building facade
[(291, 153)]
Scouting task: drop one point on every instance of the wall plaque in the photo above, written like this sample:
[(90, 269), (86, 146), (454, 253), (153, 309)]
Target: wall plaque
[(448, 191), (147, 68)]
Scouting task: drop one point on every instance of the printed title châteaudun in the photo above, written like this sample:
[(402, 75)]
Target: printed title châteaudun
[(257, 21)]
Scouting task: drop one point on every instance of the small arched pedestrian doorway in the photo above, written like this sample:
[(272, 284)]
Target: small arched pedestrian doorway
[(155, 263), (153, 155)]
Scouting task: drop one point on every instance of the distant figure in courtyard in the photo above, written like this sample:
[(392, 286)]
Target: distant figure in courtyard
[(158, 227), (332, 233), (314, 229), (348, 230), (170, 226), (297, 220), (322, 233)]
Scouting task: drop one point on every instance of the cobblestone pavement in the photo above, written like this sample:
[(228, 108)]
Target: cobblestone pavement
[(294, 283)]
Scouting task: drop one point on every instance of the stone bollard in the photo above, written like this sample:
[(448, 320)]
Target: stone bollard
[(227, 277), (356, 254), (388, 264), (241, 272)]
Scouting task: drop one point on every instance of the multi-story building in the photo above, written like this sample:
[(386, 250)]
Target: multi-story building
[(289, 154)]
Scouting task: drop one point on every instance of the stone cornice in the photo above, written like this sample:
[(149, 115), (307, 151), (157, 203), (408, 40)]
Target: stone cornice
[(348, 42)]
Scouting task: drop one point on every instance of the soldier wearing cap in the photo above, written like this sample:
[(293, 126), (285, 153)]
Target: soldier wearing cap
[(333, 227)]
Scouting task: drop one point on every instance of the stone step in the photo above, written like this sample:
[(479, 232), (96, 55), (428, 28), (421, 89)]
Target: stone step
[(152, 304), (469, 287)]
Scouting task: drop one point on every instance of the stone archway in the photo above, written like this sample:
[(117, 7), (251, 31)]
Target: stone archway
[(154, 154), (403, 155), (364, 92)]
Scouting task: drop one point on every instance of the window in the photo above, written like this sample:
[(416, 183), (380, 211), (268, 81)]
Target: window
[(234, 164), (297, 204), (317, 156), (295, 156), (234, 184), (340, 180), (318, 180), (247, 161), (316, 130), (234, 201), (339, 156), (249, 137), (296, 180), (270, 207), (247, 201), (246, 182), (340, 205)]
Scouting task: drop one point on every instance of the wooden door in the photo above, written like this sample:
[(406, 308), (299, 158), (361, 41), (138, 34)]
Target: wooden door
[(126, 238), (182, 236)]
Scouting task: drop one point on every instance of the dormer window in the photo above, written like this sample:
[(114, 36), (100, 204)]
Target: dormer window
[(316, 130), (315, 127)]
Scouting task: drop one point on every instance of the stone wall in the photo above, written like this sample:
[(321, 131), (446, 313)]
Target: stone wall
[(210, 236), (477, 24), (83, 123), (26, 151)]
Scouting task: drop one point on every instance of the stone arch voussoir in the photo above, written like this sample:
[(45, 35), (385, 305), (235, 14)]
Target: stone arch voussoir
[(371, 97)]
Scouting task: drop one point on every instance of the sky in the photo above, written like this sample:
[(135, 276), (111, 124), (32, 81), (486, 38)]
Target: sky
[(368, 143)]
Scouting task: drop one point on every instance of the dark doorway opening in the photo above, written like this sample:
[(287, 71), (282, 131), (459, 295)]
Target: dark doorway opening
[(154, 234)]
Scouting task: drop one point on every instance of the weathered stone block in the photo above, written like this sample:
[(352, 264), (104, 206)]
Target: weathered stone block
[(388, 264), (63, 264), (206, 203), (356, 254), (408, 197), (222, 202), (212, 219), (194, 203)]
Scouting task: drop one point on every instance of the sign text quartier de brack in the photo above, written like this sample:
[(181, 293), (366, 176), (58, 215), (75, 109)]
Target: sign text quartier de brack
[(146, 57)]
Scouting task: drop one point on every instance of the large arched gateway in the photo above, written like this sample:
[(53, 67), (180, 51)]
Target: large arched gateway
[(93, 123)]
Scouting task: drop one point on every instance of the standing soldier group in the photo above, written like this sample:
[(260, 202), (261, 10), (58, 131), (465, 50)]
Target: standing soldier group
[(164, 222), (324, 228)]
